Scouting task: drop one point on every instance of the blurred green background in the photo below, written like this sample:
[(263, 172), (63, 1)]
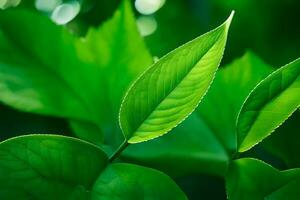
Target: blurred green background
[(269, 28)]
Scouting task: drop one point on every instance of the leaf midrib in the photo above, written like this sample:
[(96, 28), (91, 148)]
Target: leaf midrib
[(178, 83)]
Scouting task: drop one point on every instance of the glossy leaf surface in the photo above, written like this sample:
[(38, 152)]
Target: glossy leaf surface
[(223, 101), (48, 167), (55, 167), (269, 105), (201, 140), (172, 88)]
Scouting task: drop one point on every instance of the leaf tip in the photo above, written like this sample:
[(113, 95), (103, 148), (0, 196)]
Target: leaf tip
[(229, 19)]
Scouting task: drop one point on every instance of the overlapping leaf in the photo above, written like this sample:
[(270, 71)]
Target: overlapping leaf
[(223, 101), (290, 191), (127, 181), (57, 167), (249, 179), (47, 71), (190, 148), (269, 105), (35, 66), (285, 142), (117, 49), (172, 88), (48, 167), (203, 143)]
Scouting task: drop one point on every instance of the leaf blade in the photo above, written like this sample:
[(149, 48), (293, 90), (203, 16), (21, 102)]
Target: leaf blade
[(48, 165), (249, 178), (27, 71), (147, 112), (189, 148), (88, 75), (128, 181), (202, 144), (117, 41), (270, 103), (290, 190), (285, 143), (232, 83), (58, 167)]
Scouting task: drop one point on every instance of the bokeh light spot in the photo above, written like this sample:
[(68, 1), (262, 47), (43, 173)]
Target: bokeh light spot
[(148, 7), (147, 25), (47, 5), (64, 13), (9, 3)]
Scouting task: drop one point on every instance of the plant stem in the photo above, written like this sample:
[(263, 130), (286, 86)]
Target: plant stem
[(236, 155), (119, 151)]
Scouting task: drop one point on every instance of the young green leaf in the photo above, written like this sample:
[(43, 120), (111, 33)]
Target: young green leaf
[(202, 143), (226, 96), (249, 179), (55, 167), (270, 103), (172, 88)]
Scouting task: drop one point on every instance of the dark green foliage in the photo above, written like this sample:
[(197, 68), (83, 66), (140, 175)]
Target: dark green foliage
[(128, 123)]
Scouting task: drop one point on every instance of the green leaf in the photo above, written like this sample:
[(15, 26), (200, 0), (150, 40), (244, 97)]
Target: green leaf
[(88, 76), (55, 167), (172, 88), (285, 141), (202, 143), (290, 190), (232, 84), (119, 51), (127, 181), (189, 148), (270, 103), (48, 167), (249, 179), (35, 76)]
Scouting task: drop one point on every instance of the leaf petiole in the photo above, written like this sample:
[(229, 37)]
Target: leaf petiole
[(118, 152)]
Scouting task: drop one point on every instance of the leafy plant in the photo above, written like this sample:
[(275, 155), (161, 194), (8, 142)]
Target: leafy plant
[(49, 71), (58, 167)]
